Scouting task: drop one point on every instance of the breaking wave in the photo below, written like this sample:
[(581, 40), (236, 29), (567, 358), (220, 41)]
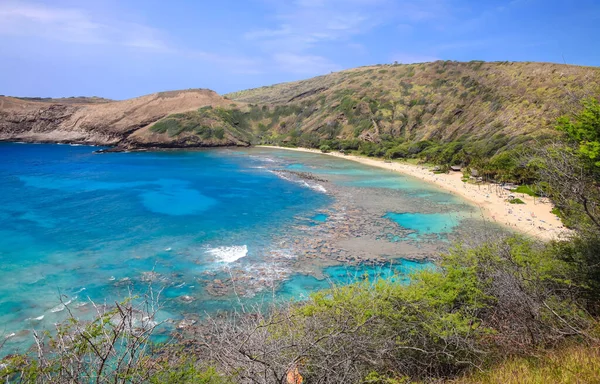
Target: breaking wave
[(229, 254)]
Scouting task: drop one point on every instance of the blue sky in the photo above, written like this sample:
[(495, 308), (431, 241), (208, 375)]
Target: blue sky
[(122, 49)]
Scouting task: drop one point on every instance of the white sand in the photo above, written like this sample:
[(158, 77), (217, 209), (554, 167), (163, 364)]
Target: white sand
[(533, 218)]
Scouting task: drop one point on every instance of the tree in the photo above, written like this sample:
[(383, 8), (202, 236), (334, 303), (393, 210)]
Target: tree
[(570, 171), (571, 168), (583, 129), (325, 148)]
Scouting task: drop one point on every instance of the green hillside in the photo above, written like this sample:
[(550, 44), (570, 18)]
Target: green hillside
[(443, 100)]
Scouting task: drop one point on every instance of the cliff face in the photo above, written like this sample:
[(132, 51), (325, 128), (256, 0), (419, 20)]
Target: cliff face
[(104, 123)]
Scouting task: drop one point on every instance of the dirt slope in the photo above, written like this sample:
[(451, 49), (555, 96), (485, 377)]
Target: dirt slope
[(105, 123)]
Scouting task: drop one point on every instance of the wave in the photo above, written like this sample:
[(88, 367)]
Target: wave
[(265, 159), (39, 318), (229, 254), (60, 307), (314, 186)]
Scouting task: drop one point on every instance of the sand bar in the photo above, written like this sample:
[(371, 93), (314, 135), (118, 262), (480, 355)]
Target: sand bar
[(533, 218)]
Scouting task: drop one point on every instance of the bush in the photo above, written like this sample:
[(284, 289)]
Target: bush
[(162, 126), (505, 297), (113, 347), (526, 189), (219, 133), (325, 148)]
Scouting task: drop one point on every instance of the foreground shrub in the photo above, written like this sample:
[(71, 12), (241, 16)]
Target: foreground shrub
[(114, 347), (501, 299)]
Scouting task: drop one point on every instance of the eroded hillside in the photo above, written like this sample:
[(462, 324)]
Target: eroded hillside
[(106, 122)]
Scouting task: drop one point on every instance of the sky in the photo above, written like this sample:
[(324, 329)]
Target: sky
[(126, 48)]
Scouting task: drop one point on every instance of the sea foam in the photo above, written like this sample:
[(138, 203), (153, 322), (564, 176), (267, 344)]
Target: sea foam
[(60, 307), (314, 186), (229, 254)]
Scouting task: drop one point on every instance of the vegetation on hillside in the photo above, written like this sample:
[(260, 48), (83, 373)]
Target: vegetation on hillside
[(439, 100), (206, 122)]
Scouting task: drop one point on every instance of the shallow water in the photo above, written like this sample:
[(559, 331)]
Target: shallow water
[(94, 226)]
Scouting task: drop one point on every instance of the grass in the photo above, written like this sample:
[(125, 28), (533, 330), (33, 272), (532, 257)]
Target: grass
[(516, 201), (526, 189), (576, 364)]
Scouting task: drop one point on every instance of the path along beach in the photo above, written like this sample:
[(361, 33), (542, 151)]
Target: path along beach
[(534, 218)]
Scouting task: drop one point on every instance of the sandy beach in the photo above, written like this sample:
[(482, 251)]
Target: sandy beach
[(534, 218)]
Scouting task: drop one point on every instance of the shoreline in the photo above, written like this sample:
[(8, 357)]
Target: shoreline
[(534, 218)]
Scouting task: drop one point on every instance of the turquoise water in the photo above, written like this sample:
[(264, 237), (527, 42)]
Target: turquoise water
[(351, 174), (426, 224), (80, 225), (300, 286), (320, 217)]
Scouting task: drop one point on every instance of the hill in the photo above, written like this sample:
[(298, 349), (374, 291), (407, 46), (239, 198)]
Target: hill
[(445, 112), (67, 100), (98, 121), (498, 105)]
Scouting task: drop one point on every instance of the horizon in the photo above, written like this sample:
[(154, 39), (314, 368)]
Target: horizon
[(121, 50)]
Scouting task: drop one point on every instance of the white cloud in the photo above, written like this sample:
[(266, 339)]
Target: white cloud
[(305, 24), (80, 27), (304, 29), (74, 26)]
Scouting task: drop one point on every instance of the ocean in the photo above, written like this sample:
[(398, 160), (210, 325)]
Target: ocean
[(77, 226)]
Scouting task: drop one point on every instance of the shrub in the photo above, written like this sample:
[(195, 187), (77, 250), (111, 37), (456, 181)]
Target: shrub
[(219, 133), (526, 189), (164, 125)]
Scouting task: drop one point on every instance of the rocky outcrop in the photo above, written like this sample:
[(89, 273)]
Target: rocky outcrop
[(123, 123)]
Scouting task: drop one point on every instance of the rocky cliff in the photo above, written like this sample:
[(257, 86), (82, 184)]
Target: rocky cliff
[(122, 123)]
